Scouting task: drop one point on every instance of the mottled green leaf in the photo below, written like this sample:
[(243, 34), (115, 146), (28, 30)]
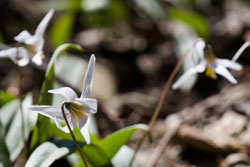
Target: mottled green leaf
[(194, 20), (116, 140), (7, 113), (62, 30), (96, 156), (46, 154), (69, 144), (4, 153), (13, 139), (6, 96), (54, 131)]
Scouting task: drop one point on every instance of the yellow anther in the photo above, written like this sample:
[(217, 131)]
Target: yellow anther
[(210, 73)]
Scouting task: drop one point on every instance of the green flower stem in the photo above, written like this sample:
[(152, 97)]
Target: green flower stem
[(159, 106), (73, 137)]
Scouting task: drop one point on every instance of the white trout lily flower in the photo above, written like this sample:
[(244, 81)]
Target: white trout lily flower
[(77, 110), (210, 64), (31, 45)]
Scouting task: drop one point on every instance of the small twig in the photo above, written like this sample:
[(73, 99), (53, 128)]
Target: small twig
[(73, 137), (22, 117), (21, 106), (159, 106), (160, 148)]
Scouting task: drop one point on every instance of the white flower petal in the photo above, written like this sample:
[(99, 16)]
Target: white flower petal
[(67, 92), (8, 53), (201, 67), (49, 111), (55, 113), (44, 23), (90, 103), (197, 69), (221, 70), (229, 64), (88, 78), (23, 36), (38, 58), (65, 128), (71, 120), (199, 46), (23, 56), (83, 126), (191, 57), (36, 41), (240, 51)]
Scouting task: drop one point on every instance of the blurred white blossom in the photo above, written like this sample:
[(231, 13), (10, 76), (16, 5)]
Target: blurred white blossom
[(31, 45), (210, 64)]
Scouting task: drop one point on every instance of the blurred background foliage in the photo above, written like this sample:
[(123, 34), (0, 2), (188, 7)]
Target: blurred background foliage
[(137, 44), (140, 38)]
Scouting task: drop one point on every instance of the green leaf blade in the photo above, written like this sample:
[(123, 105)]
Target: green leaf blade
[(194, 20), (96, 156), (116, 140), (62, 30)]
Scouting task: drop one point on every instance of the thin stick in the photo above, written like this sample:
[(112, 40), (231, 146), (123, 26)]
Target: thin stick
[(160, 148), (73, 137), (22, 117), (159, 106), (21, 107)]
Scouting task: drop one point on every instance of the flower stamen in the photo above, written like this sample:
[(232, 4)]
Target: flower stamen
[(76, 108)]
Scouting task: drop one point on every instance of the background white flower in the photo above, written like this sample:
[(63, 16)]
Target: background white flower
[(32, 45), (78, 110), (211, 64)]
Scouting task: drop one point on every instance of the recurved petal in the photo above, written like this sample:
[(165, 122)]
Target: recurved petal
[(240, 51), (44, 23), (65, 128), (67, 92), (8, 53), (23, 36), (88, 78), (229, 64), (199, 46), (48, 111), (18, 55), (197, 69), (221, 70), (71, 120), (23, 57), (38, 58), (90, 103), (83, 126)]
